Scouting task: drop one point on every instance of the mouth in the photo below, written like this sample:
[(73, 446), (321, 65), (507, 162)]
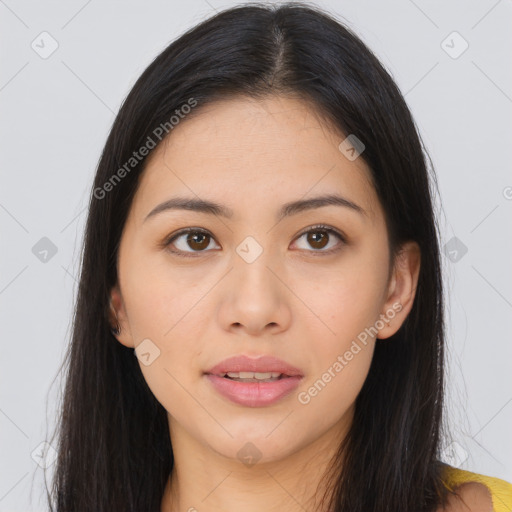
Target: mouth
[(255, 370), (254, 392), (254, 382), (252, 376)]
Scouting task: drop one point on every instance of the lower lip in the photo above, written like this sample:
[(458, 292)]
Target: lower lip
[(254, 394)]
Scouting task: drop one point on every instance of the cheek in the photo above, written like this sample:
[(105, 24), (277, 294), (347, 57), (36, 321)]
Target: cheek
[(167, 314), (162, 300), (328, 397), (346, 303), (345, 298), (340, 348)]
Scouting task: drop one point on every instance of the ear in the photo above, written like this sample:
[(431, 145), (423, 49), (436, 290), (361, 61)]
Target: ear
[(118, 317), (401, 289)]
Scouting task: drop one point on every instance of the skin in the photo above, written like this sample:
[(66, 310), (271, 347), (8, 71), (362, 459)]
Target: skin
[(472, 497), (293, 302)]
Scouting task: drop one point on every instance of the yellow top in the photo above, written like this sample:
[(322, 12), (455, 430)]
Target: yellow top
[(501, 490)]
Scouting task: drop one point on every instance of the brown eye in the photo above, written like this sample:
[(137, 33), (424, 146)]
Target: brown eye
[(190, 241), (198, 241), (319, 237)]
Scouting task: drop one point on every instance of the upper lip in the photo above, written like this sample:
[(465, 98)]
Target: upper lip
[(261, 364)]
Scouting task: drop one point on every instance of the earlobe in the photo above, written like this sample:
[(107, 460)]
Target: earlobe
[(402, 289)]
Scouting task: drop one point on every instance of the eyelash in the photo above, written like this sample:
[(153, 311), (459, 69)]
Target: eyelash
[(318, 227)]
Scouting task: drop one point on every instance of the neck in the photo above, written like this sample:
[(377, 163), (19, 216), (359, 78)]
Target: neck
[(204, 479)]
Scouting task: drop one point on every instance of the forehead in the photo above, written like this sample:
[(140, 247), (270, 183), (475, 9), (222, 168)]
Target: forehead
[(243, 151)]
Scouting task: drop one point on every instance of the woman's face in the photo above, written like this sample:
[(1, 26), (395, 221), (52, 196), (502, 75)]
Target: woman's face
[(255, 282)]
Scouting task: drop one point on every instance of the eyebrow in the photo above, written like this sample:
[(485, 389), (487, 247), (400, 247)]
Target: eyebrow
[(288, 209)]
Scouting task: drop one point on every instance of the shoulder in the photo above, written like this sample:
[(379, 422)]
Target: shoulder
[(476, 492), (471, 497)]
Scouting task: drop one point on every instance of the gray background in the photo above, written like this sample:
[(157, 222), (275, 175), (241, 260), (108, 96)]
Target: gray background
[(55, 116)]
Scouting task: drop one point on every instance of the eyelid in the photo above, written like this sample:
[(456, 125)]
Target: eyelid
[(328, 229), (168, 240), (319, 227), (323, 227)]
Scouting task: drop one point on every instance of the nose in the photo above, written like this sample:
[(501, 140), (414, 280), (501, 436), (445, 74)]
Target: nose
[(254, 298)]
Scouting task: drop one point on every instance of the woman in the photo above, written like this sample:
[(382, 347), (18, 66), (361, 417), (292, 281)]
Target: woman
[(259, 321)]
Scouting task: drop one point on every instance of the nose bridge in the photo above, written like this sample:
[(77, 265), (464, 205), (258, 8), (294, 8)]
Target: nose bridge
[(251, 266), (252, 297)]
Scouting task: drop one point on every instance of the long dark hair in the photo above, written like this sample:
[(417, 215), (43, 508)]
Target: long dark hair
[(114, 450)]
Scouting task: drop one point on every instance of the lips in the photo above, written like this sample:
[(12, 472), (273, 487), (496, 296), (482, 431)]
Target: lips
[(249, 384), (263, 364)]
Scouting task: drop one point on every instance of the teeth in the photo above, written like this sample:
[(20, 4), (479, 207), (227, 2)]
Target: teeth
[(254, 375)]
